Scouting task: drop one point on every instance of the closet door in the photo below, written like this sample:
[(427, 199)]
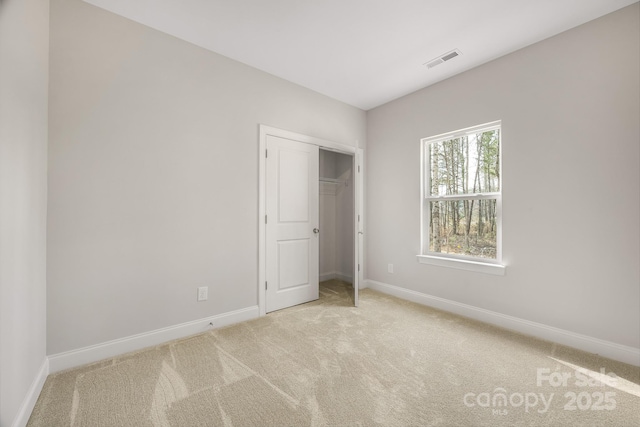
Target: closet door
[(292, 229), (358, 273)]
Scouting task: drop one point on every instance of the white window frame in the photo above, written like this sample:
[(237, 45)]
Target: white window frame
[(477, 264)]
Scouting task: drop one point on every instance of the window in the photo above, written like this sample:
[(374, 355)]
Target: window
[(462, 199)]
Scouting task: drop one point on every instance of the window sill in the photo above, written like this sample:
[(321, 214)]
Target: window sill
[(461, 264)]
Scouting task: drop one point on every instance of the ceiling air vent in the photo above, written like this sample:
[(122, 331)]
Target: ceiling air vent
[(443, 58)]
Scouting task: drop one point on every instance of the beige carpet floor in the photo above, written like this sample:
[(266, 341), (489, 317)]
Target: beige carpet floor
[(387, 363)]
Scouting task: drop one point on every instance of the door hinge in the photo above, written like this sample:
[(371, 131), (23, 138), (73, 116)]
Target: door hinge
[(358, 218), (265, 219), (266, 153), (358, 267), (266, 286), (358, 168)]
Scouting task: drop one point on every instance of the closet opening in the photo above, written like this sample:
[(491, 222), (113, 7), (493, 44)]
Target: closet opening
[(337, 196)]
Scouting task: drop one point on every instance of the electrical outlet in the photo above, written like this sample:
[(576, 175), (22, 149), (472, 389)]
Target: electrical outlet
[(390, 268), (203, 293)]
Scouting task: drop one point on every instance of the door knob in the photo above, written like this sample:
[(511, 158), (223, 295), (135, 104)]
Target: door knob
[(316, 231)]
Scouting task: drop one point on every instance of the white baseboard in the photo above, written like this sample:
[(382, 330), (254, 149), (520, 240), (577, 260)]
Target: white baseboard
[(622, 353), (344, 277), (30, 399), (336, 275), (94, 353), (327, 276)]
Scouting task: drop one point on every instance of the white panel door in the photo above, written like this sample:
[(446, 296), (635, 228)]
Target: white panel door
[(292, 235)]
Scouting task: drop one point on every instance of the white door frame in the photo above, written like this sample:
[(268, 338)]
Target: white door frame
[(359, 212), (262, 178)]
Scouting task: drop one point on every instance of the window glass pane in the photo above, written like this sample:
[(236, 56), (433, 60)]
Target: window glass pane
[(463, 227), (465, 165)]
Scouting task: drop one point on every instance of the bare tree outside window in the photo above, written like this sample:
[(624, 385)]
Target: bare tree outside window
[(463, 193)]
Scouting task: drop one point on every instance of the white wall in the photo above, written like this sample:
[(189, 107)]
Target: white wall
[(569, 107), (344, 217), (327, 231), (327, 216), (24, 45), (153, 175)]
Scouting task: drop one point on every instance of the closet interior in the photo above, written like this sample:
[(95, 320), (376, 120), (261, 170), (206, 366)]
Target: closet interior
[(336, 216)]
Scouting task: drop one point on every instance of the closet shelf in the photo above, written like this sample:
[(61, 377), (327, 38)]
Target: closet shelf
[(332, 180)]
